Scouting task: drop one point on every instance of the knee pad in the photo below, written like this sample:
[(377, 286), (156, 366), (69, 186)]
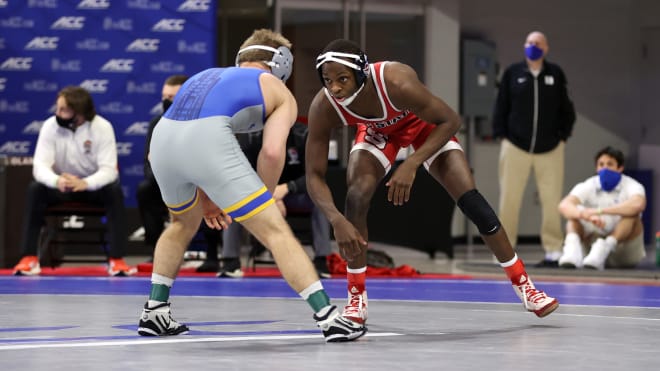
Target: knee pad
[(477, 209)]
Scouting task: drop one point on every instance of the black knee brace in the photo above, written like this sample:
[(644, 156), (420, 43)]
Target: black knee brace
[(477, 209)]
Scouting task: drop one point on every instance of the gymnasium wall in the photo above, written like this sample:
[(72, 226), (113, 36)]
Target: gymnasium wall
[(120, 51), (598, 44)]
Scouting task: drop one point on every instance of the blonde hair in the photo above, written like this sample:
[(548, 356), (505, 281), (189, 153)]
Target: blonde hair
[(264, 37)]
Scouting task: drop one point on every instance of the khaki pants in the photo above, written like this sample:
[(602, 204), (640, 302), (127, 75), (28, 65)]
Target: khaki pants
[(514, 168)]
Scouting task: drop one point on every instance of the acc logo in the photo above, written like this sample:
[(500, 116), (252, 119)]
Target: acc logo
[(123, 148), (137, 128), (33, 128), (16, 64), (42, 43), (156, 109), (194, 6), (118, 65), (95, 86), (169, 25), (94, 4), (143, 45), (69, 23), (17, 147)]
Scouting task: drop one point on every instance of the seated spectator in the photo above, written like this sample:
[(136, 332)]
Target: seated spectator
[(75, 160), (290, 193), (152, 209), (604, 213)]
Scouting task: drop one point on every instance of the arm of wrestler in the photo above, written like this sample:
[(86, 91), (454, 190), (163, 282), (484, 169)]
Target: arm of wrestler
[(322, 120), (281, 111), (407, 92)]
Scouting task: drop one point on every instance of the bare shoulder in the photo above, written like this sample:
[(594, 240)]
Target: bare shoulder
[(274, 92), (270, 83), (397, 73), (322, 113), (403, 85)]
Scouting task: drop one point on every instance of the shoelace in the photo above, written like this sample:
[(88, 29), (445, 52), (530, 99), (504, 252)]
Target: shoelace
[(354, 306), (533, 295)]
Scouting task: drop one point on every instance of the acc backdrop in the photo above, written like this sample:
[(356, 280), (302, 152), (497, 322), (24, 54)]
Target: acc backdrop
[(121, 51)]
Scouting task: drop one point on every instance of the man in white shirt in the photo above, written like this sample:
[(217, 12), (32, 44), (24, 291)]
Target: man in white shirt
[(75, 160), (604, 212)]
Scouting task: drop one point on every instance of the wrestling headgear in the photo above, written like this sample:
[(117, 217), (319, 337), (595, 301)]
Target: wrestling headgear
[(357, 62), (281, 65)]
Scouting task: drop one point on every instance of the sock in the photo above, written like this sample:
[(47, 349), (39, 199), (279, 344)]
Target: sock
[(160, 289), (316, 297), (514, 269), (356, 278), (610, 243)]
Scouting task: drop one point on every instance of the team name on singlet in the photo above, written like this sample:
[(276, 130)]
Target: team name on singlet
[(386, 123)]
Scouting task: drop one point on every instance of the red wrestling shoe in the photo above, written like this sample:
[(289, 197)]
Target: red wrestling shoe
[(356, 310), (534, 300)]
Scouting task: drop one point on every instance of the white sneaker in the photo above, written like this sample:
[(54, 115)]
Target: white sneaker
[(597, 255), (572, 256), (337, 328), (137, 235), (158, 321)]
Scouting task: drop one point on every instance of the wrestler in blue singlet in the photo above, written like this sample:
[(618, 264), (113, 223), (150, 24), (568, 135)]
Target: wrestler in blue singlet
[(194, 143)]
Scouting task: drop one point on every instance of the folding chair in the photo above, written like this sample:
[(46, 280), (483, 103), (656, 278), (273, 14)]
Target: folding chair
[(63, 228)]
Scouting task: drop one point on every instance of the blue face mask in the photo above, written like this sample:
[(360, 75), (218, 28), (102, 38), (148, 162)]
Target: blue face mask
[(533, 52), (609, 179)]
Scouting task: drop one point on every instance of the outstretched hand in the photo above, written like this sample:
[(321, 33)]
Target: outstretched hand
[(400, 183)]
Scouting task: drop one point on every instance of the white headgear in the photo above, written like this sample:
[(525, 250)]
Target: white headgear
[(281, 64), (357, 62)]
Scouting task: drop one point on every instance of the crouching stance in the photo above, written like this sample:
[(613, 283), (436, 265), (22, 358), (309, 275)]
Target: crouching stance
[(393, 109)]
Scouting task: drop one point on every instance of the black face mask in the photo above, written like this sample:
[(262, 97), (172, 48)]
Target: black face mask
[(66, 123), (166, 104)]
